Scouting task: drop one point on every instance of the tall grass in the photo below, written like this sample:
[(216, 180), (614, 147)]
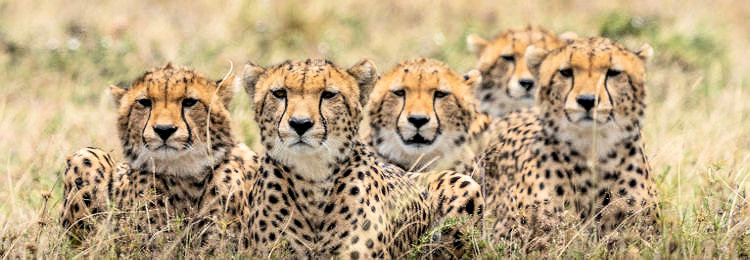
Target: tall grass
[(57, 57)]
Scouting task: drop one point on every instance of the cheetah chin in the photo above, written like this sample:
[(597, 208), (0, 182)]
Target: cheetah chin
[(423, 155), (313, 161), (188, 162)]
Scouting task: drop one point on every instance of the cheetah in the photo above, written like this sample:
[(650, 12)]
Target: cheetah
[(320, 192), (423, 116), (579, 154), (507, 83), (182, 161)]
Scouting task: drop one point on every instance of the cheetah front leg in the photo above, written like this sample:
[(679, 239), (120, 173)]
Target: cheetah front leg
[(457, 205), (86, 185), (225, 199)]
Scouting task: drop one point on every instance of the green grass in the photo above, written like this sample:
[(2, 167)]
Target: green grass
[(57, 57)]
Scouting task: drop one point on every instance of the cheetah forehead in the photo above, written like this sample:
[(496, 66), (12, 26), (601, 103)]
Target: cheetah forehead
[(516, 41), (309, 76), (512, 42), (595, 55), (173, 83), (421, 74)]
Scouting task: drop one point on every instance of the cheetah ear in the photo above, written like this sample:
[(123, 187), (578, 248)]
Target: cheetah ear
[(366, 75), (250, 77), (226, 89), (476, 44), (117, 93), (472, 78), (534, 57), (645, 52), (567, 37)]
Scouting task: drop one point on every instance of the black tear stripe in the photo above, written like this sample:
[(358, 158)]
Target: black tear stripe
[(187, 125), (572, 86), (606, 88), (323, 120), (278, 124), (403, 105), (437, 117), (143, 131)]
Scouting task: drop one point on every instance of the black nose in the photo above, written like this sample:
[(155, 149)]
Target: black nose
[(527, 84), (300, 125), (586, 101), (418, 121), (165, 131)]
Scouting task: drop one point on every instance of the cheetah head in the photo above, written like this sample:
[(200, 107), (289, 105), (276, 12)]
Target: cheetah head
[(591, 89), (173, 120), (507, 83), (420, 111), (308, 111)]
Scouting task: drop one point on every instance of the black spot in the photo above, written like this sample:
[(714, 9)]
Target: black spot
[(328, 208)]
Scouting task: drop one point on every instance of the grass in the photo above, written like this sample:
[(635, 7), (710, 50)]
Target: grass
[(57, 57)]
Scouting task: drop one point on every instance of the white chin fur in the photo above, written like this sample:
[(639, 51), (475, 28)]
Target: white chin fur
[(188, 162), (417, 158), (591, 138), (310, 161)]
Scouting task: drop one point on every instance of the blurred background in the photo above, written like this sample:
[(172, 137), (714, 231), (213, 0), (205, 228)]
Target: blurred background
[(57, 58)]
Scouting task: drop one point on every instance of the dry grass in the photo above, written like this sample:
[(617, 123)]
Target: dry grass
[(57, 57)]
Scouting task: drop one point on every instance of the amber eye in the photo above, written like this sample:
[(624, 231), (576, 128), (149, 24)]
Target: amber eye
[(279, 93), (144, 102), (508, 58), (566, 72), (328, 94), (613, 73), (440, 93), (399, 93), (189, 102)]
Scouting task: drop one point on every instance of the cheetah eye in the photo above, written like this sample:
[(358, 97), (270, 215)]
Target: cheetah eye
[(399, 93), (566, 72), (189, 102), (144, 102), (279, 93), (508, 58), (440, 93), (328, 94), (613, 73)]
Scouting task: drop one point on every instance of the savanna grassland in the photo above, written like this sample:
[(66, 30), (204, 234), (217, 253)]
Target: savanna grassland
[(57, 58)]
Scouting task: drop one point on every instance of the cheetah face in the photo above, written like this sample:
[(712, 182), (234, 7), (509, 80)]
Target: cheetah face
[(507, 83), (421, 108), (308, 111), (592, 86), (164, 120)]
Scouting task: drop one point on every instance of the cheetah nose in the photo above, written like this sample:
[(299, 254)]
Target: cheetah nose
[(586, 101), (527, 84), (300, 125), (418, 120), (165, 131)]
